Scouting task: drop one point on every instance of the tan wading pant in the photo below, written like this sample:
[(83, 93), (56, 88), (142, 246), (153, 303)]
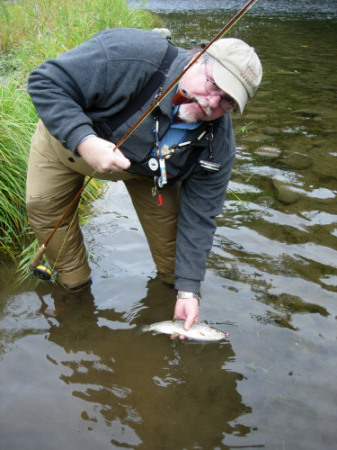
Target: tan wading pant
[(55, 176)]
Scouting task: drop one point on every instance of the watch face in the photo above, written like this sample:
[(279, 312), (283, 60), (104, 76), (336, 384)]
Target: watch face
[(153, 164)]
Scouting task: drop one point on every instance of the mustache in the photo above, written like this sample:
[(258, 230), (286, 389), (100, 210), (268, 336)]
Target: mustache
[(205, 106), (190, 115)]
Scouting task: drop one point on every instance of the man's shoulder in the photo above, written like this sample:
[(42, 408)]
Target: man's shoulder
[(131, 48), (132, 41)]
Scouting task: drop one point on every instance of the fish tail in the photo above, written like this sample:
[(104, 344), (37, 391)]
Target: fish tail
[(140, 329)]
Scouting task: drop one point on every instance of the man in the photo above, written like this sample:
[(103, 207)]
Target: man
[(176, 165)]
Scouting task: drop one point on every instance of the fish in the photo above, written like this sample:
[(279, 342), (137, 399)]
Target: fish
[(199, 331)]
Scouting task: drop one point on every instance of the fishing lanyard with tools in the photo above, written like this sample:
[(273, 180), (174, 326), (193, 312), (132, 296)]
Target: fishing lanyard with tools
[(199, 138)]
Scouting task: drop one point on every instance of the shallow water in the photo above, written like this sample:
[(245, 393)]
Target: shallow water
[(76, 374)]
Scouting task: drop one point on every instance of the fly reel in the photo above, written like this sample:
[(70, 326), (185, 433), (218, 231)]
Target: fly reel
[(39, 270), (42, 272)]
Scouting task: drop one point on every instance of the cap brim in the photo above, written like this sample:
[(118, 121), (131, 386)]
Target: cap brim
[(228, 83)]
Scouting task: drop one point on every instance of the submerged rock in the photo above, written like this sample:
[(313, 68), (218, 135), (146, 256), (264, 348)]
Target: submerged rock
[(284, 193), (296, 160), (306, 113), (257, 138), (271, 131), (268, 153), (266, 201)]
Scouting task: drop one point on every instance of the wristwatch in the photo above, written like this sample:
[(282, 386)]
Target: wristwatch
[(184, 294)]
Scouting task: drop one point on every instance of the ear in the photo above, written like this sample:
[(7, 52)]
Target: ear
[(193, 60), (195, 57)]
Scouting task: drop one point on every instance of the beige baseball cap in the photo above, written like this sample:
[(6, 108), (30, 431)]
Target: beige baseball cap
[(237, 69)]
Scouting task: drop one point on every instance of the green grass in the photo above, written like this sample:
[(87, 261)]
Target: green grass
[(32, 31), (17, 123)]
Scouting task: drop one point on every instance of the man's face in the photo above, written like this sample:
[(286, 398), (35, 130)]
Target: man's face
[(208, 104)]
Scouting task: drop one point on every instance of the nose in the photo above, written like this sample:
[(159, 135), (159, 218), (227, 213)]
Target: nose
[(213, 100)]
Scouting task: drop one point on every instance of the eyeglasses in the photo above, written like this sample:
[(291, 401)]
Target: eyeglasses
[(227, 103)]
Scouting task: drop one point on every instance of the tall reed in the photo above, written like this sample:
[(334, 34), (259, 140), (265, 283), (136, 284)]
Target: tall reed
[(16, 127), (34, 30), (18, 121)]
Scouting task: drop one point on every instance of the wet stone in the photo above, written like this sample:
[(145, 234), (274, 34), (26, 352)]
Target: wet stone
[(272, 131), (268, 153), (258, 138), (256, 117), (266, 201), (310, 113), (296, 160), (284, 193)]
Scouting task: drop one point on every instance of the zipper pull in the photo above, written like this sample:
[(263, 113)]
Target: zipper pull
[(156, 191)]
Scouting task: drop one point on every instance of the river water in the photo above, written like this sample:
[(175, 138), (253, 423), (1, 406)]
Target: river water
[(76, 373)]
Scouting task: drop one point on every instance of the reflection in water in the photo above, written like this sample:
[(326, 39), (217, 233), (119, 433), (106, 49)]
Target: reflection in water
[(146, 389)]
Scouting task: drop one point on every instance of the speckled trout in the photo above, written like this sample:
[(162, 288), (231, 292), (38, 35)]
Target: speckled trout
[(198, 331)]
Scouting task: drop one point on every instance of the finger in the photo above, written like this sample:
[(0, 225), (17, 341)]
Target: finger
[(188, 322), (122, 162)]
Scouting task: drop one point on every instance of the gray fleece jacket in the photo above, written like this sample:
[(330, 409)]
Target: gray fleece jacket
[(97, 80)]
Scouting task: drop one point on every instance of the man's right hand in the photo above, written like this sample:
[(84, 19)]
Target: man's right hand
[(102, 155), (188, 310)]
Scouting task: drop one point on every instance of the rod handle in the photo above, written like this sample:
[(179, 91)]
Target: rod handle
[(38, 256)]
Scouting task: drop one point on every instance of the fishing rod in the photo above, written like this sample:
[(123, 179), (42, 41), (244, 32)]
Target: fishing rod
[(45, 273)]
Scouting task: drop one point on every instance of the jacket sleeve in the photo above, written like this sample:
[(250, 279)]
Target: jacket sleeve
[(95, 79), (202, 199), (63, 88)]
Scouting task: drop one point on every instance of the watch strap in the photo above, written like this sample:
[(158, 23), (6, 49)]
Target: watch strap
[(189, 295)]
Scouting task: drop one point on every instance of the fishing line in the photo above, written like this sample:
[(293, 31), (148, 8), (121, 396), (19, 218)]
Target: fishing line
[(41, 271), (66, 236), (33, 266)]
